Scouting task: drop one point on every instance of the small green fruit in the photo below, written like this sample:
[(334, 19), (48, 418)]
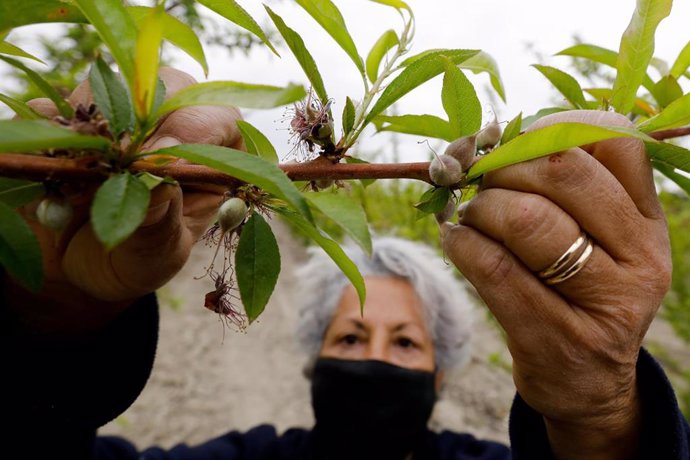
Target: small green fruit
[(490, 135), (231, 214), (447, 213), (54, 213), (445, 170), (463, 150)]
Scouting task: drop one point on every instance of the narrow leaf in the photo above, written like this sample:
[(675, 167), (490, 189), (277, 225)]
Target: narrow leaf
[(398, 4), (150, 180), (20, 252), (147, 59), (603, 99), (328, 16), (346, 213), (512, 130), (111, 98), (25, 136), (671, 155), (433, 200), (675, 115), (667, 90), (233, 12), (680, 180), (229, 93), (9, 48), (299, 50), (682, 62), (256, 142), (414, 75), (348, 116), (331, 248), (18, 192), (636, 51), (460, 102), (548, 140), (45, 87), (483, 62), (20, 108), (15, 13), (527, 121), (117, 30), (420, 125), (176, 32), (385, 43), (118, 208), (565, 83), (257, 265), (247, 168)]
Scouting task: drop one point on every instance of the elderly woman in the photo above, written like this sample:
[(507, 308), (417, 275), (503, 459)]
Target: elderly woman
[(569, 252)]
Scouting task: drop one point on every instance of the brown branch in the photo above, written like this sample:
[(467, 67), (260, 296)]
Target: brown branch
[(671, 133)]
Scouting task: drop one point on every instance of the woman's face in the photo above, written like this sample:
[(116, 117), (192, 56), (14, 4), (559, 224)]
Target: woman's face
[(392, 329)]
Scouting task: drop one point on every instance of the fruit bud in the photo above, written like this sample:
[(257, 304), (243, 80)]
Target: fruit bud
[(231, 214), (54, 213), (447, 213), (490, 135), (445, 170), (463, 150), (321, 184)]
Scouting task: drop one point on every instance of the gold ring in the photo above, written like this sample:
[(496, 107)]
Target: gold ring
[(571, 262)]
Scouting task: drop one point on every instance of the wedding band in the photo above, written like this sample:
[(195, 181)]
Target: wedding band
[(571, 262)]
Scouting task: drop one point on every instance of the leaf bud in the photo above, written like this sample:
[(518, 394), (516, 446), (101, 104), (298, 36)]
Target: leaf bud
[(463, 150), (231, 214), (54, 213), (445, 170), (490, 135)]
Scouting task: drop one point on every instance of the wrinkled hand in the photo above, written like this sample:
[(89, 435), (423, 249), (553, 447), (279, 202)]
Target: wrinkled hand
[(90, 285), (574, 344)]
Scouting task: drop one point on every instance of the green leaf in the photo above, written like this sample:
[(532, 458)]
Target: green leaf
[(18, 192), (111, 98), (660, 65), (671, 155), (150, 180), (245, 167), (352, 160), (20, 108), (636, 51), (233, 12), (118, 208), (299, 50), (15, 13), (346, 213), (433, 200), (398, 4), (257, 265), (420, 125), (20, 252), (682, 181), (146, 62), (600, 55), (234, 94), (9, 48), (527, 121), (328, 16), (45, 87), (348, 116), (667, 90), (25, 136), (512, 130), (331, 248), (548, 140), (682, 62), (483, 62), (416, 73), (256, 142), (460, 102), (117, 30), (176, 32), (675, 115), (385, 43), (564, 83)]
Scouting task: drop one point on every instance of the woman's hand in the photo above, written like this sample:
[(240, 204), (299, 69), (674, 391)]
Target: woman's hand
[(86, 286), (575, 343)]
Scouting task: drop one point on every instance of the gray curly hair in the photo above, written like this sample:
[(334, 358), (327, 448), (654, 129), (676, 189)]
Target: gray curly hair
[(446, 302)]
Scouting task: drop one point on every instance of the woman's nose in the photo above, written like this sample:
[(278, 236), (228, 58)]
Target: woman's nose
[(378, 350)]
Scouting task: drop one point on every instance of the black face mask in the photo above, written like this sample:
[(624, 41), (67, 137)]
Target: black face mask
[(369, 409)]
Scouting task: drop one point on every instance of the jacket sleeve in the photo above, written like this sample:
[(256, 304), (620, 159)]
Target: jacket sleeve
[(665, 433), (57, 394)]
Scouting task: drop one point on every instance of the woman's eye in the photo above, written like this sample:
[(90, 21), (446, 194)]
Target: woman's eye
[(404, 342), (349, 339)]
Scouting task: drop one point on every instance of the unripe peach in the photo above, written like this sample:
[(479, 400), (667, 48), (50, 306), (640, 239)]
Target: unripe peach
[(231, 214), (447, 213), (445, 170), (490, 135), (54, 213), (463, 150)]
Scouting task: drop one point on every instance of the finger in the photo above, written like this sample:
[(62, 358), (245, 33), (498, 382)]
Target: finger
[(625, 158), (200, 209), (538, 232), (584, 189), (159, 204), (511, 292)]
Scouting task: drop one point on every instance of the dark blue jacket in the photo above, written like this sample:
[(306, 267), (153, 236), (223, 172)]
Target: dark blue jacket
[(55, 396)]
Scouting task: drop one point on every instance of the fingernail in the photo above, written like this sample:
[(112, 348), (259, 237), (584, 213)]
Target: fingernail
[(162, 143)]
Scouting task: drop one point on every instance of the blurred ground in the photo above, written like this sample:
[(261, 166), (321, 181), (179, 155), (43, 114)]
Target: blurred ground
[(205, 384)]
